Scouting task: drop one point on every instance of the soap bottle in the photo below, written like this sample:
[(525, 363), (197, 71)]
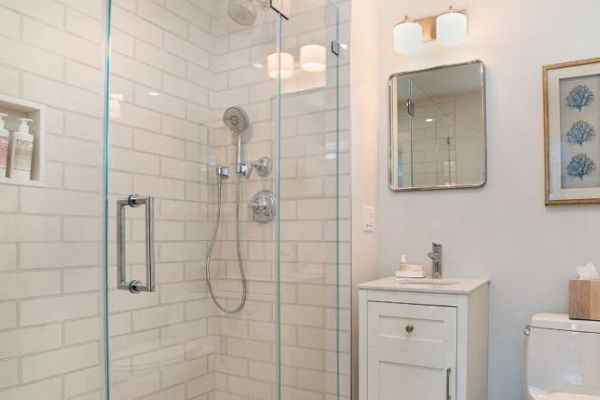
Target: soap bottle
[(21, 151), (4, 146), (403, 263)]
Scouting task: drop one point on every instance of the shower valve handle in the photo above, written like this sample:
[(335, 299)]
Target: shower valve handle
[(264, 206), (264, 166)]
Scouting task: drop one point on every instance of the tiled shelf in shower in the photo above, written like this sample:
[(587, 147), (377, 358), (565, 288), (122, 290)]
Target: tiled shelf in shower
[(19, 108)]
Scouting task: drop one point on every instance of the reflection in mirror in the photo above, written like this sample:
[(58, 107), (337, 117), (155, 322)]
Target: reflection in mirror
[(437, 128)]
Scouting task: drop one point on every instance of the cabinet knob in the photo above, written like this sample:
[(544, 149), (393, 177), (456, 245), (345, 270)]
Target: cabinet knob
[(410, 328)]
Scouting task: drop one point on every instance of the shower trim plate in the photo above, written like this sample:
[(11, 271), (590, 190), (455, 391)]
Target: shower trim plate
[(264, 207)]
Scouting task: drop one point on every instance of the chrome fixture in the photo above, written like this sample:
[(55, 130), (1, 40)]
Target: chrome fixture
[(264, 166), (410, 107), (264, 206), (244, 12), (436, 258), (237, 121), (135, 286), (223, 174)]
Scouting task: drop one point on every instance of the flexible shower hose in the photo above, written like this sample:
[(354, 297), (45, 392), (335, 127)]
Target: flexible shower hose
[(238, 248)]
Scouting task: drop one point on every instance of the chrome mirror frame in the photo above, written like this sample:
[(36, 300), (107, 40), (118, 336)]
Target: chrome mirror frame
[(393, 180)]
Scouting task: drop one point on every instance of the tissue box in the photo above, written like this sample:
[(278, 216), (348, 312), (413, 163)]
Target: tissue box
[(584, 299)]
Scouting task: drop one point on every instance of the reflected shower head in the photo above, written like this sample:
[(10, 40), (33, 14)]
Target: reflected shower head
[(243, 12), (236, 120)]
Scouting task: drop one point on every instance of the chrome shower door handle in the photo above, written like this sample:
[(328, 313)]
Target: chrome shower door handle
[(135, 286)]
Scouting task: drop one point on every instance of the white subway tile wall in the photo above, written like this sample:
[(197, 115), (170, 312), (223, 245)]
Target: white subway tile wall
[(176, 65), (430, 159), (49, 250)]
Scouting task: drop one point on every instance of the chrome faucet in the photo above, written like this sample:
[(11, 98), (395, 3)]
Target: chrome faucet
[(436, 260)]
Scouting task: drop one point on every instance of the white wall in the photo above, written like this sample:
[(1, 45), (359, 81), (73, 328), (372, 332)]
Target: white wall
[(364, 153), (502, 231)]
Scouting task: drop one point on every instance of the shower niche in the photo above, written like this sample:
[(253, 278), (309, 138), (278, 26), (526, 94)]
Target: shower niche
[(16, 109)]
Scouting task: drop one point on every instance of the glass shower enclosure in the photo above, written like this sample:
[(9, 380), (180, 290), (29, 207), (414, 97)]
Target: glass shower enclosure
[(223, 202), (425, 139)]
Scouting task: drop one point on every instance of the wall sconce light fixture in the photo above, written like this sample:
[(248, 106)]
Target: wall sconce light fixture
[(313, 58), (287, 65), (408, 36), (451, 28), (448, 29)]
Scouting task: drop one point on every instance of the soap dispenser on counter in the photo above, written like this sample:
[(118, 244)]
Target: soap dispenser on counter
[(21, 152), (4, 146)]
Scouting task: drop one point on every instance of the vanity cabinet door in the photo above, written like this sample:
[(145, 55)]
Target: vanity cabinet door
[(411, 352)]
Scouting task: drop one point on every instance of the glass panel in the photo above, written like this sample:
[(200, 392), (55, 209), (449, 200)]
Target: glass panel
[(198, 92), (311, 156), (177, 67), (432, 140), (401, 132), (425, 153)]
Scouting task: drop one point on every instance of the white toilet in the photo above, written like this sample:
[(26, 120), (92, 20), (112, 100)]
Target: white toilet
[(563, 359)]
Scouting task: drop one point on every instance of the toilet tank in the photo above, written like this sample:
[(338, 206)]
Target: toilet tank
[(563, 358)]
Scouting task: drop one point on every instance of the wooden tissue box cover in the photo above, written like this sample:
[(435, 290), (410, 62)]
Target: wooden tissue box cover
[(584, 299)]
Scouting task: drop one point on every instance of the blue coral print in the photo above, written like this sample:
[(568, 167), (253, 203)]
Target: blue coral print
[(580, 166), (580, 133), (579, 97)]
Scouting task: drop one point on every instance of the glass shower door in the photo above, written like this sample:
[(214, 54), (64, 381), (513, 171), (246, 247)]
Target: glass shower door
[(223, 162), (423, 135), (314, 161), (175, 68)]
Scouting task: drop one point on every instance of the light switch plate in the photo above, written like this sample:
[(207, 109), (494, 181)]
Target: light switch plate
[(368, 219)]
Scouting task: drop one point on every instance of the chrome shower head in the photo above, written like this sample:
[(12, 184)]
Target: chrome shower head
[(242, 12), (236, 120)]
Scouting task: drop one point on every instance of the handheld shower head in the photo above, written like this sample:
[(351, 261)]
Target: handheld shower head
[(236, 120)]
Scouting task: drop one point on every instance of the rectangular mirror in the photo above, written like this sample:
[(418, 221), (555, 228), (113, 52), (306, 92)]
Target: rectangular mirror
[(437, 128)]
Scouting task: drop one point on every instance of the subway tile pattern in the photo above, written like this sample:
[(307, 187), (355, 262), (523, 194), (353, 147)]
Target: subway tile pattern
[(49, 272), (430, 160), (173, 344)]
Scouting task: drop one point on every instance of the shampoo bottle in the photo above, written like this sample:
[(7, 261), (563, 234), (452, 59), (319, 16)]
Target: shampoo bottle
[(4, 146), (21, 152)]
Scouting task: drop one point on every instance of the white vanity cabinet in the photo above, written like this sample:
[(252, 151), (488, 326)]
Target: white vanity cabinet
[(423, 341)]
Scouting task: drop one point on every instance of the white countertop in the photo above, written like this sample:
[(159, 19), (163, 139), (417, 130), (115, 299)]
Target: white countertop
[(427, 285)]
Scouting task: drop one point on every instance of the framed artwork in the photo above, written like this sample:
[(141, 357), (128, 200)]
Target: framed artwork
[(572, 132)]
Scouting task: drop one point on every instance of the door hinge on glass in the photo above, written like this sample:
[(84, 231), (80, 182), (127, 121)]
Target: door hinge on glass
[(410, 107), (279, 8), (335, 47)]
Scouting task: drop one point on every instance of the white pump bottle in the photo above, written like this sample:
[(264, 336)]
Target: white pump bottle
[(21, 152), (4, 146)]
